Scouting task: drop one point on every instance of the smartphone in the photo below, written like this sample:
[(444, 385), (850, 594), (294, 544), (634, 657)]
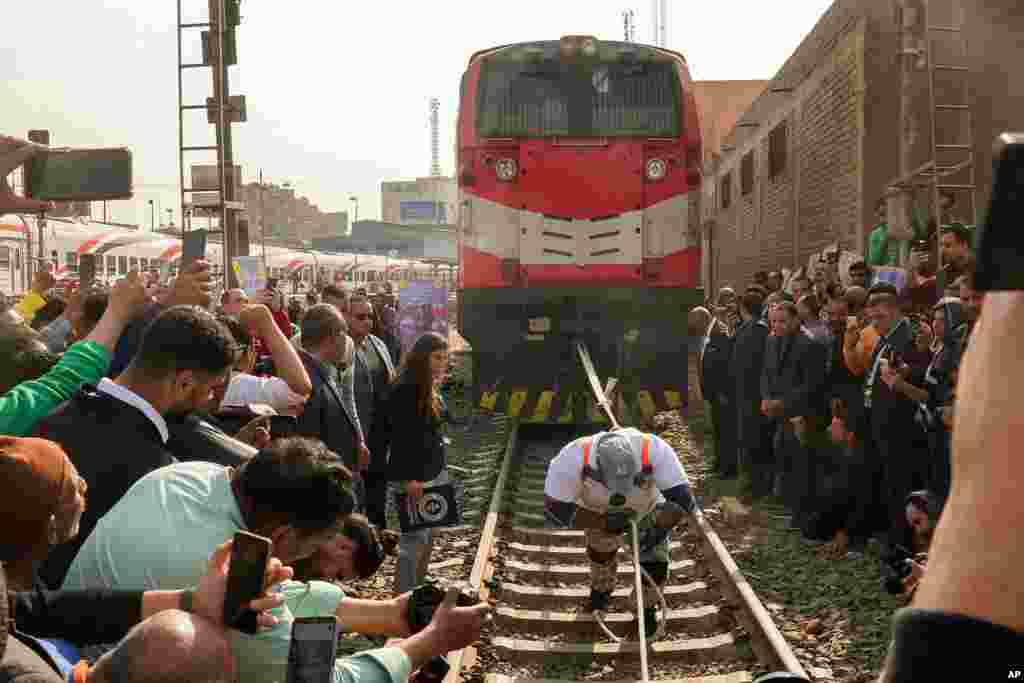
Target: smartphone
[(283, 426), (313, 649), (193, 248), (86, 270), (73, 175), (249, 556), (1000, 246)]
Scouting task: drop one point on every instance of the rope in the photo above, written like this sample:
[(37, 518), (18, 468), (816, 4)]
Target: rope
[(639, 584)]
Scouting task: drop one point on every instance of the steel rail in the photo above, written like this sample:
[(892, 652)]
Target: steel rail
[(482, 563)]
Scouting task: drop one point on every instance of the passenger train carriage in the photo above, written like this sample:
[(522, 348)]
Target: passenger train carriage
[(579, 172), (121, 251)]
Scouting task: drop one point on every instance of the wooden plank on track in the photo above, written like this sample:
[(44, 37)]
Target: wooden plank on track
[(574, 552), (713, 648), (583, 570), (546, 596), (734, 677), (693, 620)]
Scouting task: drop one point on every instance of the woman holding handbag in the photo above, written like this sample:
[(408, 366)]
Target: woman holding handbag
[(417, 455)]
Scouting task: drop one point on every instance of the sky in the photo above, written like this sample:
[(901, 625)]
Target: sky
[(337, 92)]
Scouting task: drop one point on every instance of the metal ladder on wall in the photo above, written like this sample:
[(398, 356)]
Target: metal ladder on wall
[(219, 52), (952, 120)]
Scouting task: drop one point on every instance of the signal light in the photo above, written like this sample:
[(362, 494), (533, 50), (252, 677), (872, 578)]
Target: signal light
[(506, 169), (656, 169)]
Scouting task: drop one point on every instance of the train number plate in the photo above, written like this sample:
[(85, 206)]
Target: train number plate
[(540, 325)]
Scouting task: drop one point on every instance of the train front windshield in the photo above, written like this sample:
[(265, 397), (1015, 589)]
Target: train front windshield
[(535, 93)]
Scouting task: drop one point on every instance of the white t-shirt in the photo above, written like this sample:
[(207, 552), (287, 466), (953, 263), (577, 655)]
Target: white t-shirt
[(272, 391), (565, 472)]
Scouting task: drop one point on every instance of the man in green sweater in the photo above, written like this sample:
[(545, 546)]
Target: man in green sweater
[(881, 250), (32, 384)]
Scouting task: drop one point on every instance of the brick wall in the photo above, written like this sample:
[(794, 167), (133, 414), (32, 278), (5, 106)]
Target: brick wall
[(816, 199)]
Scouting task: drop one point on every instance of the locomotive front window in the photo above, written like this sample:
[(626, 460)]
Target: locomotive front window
[(547, 97)]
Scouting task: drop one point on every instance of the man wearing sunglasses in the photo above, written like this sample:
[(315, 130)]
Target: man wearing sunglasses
[(373, 368)]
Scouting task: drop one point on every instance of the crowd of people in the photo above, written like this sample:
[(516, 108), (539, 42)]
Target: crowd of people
[(143, 426), (834, 392)]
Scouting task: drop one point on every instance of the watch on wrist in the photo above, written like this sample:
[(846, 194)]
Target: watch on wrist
[(187, 599)]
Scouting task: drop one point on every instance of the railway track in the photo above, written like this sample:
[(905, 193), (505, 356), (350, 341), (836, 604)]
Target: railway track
[(717, 629)]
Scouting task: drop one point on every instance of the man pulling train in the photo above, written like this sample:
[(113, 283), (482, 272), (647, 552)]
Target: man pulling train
[(601, 483)]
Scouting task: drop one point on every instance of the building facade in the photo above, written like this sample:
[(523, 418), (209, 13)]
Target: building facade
[(804, 166), (424, 201), (287, 216)]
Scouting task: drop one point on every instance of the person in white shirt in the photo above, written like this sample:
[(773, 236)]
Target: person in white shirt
[(287, 392), (603, 482)]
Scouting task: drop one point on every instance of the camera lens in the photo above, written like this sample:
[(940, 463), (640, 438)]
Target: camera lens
[(617, 500)]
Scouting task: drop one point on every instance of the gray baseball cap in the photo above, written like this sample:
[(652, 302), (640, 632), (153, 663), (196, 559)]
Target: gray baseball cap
[(616, 462)]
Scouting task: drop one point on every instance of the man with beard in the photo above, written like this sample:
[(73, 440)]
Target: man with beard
[(116, 432)]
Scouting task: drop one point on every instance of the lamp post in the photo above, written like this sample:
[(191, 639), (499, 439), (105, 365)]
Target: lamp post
[(355, 201), (152, 216)]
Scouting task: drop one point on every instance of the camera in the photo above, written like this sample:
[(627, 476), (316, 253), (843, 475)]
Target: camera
[(425, 600), (895, 568)]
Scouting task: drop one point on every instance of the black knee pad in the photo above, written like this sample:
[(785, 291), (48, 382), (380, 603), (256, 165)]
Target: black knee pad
[(599, 557), (657, 570)]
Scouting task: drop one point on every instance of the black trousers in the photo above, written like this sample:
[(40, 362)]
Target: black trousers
[(893, 463), (756, 451), (799, 467), (375, 486), (941, 470), (723, 424)]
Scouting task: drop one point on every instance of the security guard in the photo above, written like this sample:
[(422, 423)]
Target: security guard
[(603, 482)]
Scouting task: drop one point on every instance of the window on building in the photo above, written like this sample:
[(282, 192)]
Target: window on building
[(111, 265), (5, 257), (133, 263), (144, 263), (777, 148), (122, 265), (747, 174), (71, 261), (726, 190)]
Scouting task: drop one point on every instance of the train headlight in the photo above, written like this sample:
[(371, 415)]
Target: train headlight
[(506, 169), (656, 169)]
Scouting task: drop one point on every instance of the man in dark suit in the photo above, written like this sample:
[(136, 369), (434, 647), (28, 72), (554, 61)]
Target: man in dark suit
[(373, 370), (715, 385), (116, 432), (754, 432), (792, 388), (893, 434), (325, 344)]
